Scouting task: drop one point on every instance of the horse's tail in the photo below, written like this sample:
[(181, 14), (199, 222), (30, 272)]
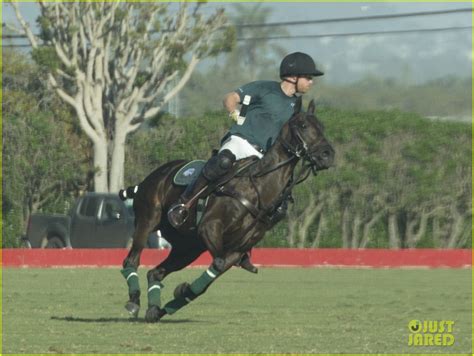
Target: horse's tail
[(128, 193)]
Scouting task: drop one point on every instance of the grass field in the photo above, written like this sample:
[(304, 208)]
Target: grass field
[(277, 311)]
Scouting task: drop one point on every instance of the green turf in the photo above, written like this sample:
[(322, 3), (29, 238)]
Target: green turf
[(276, 311)]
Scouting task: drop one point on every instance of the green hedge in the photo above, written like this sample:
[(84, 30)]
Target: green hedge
[(400, 180)]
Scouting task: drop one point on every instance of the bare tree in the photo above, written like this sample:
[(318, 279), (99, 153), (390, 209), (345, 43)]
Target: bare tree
[(300, 220), (117, 64)]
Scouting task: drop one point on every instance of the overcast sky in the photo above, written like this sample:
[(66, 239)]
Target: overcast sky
[(415, 57)]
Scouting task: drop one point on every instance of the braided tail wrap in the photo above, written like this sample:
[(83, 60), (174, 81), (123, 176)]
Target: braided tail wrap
[(128, 193)]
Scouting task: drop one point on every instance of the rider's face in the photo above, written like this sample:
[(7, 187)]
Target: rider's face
[(304, 84)]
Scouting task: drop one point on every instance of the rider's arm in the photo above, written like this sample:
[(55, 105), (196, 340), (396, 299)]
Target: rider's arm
[(251, 91), (231, 101)]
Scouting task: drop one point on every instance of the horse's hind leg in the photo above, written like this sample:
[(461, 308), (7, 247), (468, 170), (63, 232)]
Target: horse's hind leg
[(144, 226), (178, 258)]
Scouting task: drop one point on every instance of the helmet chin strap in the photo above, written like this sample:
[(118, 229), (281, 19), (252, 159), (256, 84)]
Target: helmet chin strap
[(297, 93)]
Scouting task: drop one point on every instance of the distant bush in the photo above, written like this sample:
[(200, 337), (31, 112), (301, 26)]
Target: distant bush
[(443, 97)]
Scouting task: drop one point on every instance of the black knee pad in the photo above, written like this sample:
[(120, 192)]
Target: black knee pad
[(226, 159), (219, 165)]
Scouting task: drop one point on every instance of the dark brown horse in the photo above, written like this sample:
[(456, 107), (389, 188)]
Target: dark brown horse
[(236, 218)]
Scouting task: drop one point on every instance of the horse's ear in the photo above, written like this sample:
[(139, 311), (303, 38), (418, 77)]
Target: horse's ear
[(311, 107), (298, 104)]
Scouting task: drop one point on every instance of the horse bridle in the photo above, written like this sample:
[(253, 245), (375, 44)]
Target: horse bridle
[(300, 150)]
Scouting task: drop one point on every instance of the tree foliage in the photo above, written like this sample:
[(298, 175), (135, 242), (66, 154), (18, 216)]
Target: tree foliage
[(248, 61), (443, 97), (116, 64), (44, 156)]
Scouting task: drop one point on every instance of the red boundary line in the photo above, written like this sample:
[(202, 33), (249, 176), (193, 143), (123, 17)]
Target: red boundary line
[(288, 257)]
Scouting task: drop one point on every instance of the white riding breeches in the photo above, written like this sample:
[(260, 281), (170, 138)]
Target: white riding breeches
[(240, 147)]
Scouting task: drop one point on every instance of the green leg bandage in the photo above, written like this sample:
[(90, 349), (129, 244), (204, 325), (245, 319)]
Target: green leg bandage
[(154, 293), (173, 306), (130, 274), (197, 287)]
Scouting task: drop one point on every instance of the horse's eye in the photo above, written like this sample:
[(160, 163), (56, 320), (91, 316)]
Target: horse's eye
[(303, 125)]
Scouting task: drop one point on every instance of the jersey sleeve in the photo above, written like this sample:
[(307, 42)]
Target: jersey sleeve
[(253, 89)]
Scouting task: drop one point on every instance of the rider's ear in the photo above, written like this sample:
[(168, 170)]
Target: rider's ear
[(298, 105), (311, 107)]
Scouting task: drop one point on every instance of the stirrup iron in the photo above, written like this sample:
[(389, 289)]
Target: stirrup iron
[(178, 220)]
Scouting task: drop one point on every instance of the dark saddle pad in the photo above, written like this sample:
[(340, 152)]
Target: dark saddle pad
[(189, 172)]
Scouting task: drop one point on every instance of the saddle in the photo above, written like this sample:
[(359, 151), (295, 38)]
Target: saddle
[(191, 171)]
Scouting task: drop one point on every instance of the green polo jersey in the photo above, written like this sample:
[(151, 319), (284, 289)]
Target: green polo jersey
[(269, 109)]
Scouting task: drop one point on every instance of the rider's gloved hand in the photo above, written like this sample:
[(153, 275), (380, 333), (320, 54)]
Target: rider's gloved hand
[(234, 115)]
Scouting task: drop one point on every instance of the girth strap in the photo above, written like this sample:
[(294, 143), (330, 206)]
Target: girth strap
[(259, 215), (244, 201)]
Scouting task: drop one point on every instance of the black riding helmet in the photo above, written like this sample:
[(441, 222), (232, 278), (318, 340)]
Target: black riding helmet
[(298, 64)]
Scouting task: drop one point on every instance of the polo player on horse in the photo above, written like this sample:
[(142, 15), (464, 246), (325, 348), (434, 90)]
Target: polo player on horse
[(266, 107)]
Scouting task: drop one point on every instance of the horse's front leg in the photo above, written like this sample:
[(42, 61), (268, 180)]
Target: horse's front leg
[(185, 292)]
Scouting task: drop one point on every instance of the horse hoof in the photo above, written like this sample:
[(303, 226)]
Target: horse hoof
[(248, 266), (251, 269), (180, 290), (153, 314), (132, 309)]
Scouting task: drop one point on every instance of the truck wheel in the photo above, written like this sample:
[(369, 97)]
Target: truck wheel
[(53, 242), (25, 243)]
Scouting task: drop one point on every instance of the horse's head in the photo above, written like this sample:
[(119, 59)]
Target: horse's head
[(307, 139)]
